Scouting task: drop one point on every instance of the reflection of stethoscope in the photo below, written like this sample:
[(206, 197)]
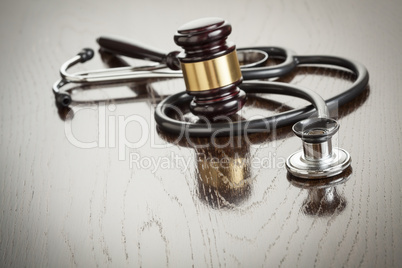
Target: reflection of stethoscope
[(323, 199), (207, 71)]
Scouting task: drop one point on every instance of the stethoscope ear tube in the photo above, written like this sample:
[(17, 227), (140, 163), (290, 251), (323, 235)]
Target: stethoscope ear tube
[(250, 70), (289, 64), (358, 86)]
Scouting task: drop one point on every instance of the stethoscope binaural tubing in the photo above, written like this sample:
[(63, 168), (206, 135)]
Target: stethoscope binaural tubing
[(155, 71), (290, 62)]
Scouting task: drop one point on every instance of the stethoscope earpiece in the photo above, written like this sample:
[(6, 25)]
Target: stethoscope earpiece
[(86, 54), (63, 99)]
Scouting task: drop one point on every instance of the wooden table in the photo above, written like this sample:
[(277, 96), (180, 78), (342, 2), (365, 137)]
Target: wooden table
[(84, 187)]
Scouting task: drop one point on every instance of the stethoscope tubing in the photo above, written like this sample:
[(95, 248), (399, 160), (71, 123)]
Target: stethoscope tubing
[(269, 123), (278, 70)]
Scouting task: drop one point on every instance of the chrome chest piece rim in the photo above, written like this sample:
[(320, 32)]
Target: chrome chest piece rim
[(300, 167), (317, 159)]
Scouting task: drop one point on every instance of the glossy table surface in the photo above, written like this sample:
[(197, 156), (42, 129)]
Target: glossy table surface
[(100, 185)]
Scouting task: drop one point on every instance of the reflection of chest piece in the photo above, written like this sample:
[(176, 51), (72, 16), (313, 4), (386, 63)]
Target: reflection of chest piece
[(323, 199), (210, 67)]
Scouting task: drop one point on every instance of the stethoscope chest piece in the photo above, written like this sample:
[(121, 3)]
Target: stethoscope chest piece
[(318, 158)]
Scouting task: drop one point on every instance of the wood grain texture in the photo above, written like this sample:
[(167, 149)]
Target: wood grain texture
[(62, 205)]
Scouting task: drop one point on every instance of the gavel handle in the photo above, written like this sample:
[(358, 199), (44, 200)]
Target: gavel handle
[(124, 47)]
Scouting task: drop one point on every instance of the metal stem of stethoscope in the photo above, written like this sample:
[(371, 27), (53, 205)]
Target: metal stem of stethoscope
[(113, 74), (168, 62), (141, 72), (251, 57)]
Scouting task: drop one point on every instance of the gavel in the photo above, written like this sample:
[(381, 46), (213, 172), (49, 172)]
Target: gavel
[(210, 67), (209, 63)]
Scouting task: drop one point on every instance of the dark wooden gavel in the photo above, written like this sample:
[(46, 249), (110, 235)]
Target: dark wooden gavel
[(209, 63)]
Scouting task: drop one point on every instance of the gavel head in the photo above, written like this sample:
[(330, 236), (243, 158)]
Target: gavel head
[(210, 67)]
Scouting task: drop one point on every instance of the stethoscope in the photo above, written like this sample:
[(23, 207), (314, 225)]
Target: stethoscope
[(317, 159)]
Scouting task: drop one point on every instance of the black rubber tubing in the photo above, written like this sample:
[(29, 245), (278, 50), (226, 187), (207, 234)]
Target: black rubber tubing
[(270, 123)]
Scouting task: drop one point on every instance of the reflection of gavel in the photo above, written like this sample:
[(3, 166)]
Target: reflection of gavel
[(223, 175), (210, 67)]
